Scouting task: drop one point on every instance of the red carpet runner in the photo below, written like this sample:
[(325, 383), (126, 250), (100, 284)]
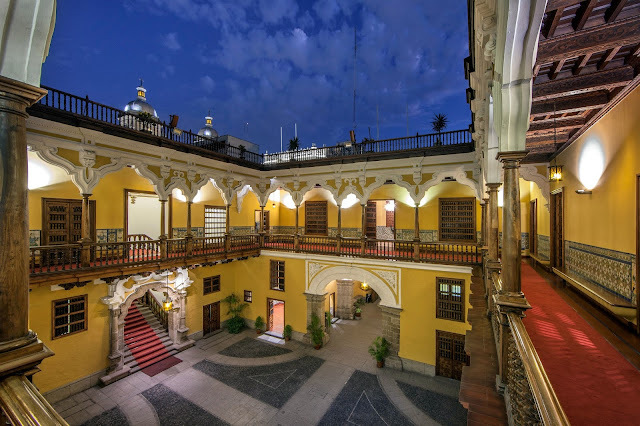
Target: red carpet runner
[(150, 353), (593, 381)]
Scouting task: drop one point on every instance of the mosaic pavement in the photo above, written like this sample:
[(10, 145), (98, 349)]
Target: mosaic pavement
[(338, 384)]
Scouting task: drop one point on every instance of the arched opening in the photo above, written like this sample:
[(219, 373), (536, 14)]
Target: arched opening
[(347, 288), (134, 301)]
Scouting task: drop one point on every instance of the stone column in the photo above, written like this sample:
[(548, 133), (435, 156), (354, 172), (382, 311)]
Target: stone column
[(115, 354), (85, 231), (363, 230), (163, 229), (391, 332), (483, 222), (20, 349), (492, 221), (416, 233), (189, 237), (511, 231), (181, 341), (261, 238), (296, 235), (315, 305), (344, 299), (339, 231)]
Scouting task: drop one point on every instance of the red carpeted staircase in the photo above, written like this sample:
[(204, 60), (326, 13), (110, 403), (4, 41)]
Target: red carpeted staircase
[(148, 344)]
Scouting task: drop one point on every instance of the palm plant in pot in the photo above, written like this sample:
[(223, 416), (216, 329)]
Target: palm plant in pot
[(235, 323), (358, 304), (287, 332), (316, 332), (379, 350), (259, 324)]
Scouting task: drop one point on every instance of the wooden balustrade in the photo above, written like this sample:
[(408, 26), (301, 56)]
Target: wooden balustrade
[(156, 307), (59, 258), (22, 404), (529, 395), (81, 111)]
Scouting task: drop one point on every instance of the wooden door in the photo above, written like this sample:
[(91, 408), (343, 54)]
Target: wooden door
[(210, 318), (637, 251), (270, 316), (62, 221), (557, 231), (370, 220), (451, 355), (533, 227)]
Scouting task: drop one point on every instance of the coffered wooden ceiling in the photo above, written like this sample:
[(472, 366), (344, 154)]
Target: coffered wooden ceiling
[(588, 60)]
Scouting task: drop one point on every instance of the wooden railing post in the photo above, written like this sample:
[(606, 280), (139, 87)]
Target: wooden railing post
[(363, 233), (339, 233), (416, 234), (296, 236), (85, 230)]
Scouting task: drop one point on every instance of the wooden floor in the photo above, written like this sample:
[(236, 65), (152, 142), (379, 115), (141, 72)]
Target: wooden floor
[(478, 385), (621, 336)]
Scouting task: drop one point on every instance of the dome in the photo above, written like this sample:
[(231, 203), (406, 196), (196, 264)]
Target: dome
[(208, 131), (140, 104)]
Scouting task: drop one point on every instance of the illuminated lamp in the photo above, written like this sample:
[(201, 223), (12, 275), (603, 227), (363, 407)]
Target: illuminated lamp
[(390, 205), (555, 171), (364, 286), (167, 304)]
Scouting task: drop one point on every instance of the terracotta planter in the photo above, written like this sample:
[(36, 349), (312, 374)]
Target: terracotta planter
[(317, 347), (380, 364), (258, 331), (287, 338), (358, 314)]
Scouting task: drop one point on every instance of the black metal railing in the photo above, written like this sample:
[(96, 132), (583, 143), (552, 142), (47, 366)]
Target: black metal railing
[(59, 101)]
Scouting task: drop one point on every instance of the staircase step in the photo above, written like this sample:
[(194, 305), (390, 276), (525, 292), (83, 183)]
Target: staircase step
[(151, 356), (154, 360), (137, 343), (142, 332), (149, 349)]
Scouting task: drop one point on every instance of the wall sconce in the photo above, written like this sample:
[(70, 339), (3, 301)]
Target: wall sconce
[(555, 173), (390, 205), (273, 205), (583, 191), (364, 286)]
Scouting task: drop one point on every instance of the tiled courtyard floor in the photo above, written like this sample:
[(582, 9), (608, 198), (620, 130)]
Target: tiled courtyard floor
[(290, 384)]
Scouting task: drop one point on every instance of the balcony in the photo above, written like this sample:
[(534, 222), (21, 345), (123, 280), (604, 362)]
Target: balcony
[(77, 263), (82, 112)]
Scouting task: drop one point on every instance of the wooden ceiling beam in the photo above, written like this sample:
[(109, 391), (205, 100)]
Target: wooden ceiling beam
[(583, 13), (556, 4), (589, 41), (584, 83), (586, 102), (614, 10), (552, 22), (559, 124), (611, 53), (581, 63), (556, 68)]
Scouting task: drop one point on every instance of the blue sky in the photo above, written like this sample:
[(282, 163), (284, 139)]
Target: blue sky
[(269, 63)]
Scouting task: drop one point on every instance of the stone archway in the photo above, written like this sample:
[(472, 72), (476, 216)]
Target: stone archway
[(383, 280), (122, 294)]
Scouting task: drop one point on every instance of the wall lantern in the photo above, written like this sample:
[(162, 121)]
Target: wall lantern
[(167, 304), (364, 286), (555, 173)]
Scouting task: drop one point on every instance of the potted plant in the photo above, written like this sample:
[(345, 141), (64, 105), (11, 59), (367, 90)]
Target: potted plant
[(438, 124), (259, 324), (235, 323), (358, 311), (288, 331), (327, 320), (242, 149), (316, 332), (358, 306), (379, 349)]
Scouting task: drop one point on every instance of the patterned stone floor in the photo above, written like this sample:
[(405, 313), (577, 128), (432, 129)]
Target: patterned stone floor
[(338, 384)]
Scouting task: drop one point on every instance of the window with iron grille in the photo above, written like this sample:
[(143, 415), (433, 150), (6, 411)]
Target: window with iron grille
[(211, 284), (277, 275), (457, 220), (69, 316), (450, 299), (215, 221), (248, 296)]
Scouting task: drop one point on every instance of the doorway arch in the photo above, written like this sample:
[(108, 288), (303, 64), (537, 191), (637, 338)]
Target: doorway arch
[(123, 293)]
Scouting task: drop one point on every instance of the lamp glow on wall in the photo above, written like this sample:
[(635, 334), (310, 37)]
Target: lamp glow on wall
[(501, 197), (178, 195), (590, 165), (349, 201), (39, 176), (390, 205)]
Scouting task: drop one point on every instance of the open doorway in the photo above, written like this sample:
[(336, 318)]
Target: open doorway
[(380, 221), (143, 212), (533, 227), (265, 220), (275, 318)]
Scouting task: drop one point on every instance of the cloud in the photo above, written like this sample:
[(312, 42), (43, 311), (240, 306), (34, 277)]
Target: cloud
[(168, 71), (275, 11), (207, 84), (170, 41)]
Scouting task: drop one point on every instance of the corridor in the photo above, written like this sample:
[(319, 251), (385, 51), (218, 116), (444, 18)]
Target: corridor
[(591, 360)]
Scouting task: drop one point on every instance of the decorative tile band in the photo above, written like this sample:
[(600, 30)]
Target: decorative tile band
[(34, 237), (197, 231), (242, 230), (524, 240), (543, 247), (110, 235), (609, 269)]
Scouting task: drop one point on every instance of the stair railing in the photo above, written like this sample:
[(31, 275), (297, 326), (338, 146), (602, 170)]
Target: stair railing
[(156, 307), (22, 404)]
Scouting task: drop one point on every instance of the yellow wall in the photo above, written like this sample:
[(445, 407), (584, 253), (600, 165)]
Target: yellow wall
[(77, 355), (418, 322), (605, 218), (543, 212)]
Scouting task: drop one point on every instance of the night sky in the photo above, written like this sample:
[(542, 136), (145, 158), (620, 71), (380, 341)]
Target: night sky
[(269, 63)]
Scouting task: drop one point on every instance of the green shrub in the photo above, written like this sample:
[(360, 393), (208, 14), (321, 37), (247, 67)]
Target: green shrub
[(316, 331), (288, 331), (235, 324), (379, 349), (259, 323)]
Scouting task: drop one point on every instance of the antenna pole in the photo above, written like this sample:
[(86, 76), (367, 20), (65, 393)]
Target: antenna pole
[(296, 129), (280, 138), (407, 120), (377, 124), (354, 78)]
